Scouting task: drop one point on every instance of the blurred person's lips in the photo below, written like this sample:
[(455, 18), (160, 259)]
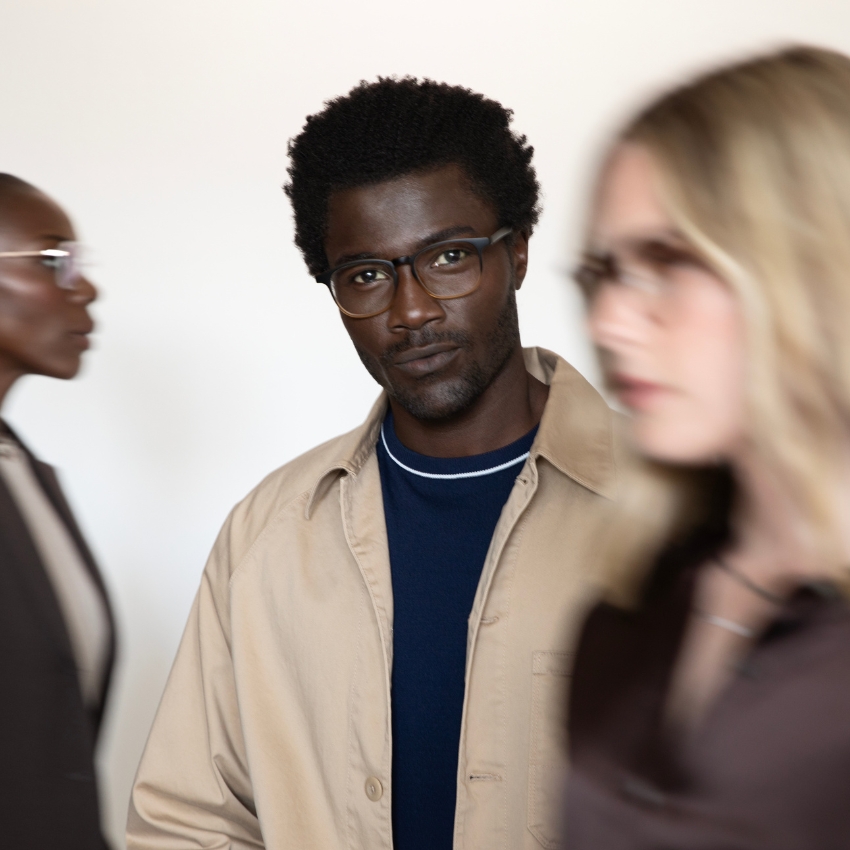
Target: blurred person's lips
[(636, 393), (80, 334), (428, 358)]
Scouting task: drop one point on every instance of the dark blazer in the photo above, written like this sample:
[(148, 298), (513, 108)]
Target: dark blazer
[(48, 793)]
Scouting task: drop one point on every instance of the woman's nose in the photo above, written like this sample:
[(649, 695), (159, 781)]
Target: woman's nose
[(616, 320)]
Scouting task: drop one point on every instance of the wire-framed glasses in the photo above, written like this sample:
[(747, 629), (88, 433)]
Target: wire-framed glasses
[(656, 276), (445, 270), (65, 260)]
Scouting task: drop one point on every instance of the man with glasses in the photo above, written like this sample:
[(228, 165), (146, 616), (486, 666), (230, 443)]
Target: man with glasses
[(378, 652)]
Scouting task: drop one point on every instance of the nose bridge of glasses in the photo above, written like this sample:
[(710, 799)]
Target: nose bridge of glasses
[(411, 301), (408, 280), (638, 279), (400, 264)]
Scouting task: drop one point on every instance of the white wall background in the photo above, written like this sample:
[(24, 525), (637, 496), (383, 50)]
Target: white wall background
[(161, 125)]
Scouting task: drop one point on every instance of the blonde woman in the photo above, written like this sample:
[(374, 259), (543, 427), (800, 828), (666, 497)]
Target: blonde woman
[(710, 704)]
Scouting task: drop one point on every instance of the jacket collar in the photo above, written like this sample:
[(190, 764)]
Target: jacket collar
[(575, 435), (576, 430), (27, 560)]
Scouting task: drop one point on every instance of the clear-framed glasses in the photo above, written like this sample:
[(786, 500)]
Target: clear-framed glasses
[(445, 270), (594, 270), (65, 260), (658, 270)]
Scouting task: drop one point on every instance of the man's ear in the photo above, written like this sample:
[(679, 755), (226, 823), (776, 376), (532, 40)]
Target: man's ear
[(519, 257)]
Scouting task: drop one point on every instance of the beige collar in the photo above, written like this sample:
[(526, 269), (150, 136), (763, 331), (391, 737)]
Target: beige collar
[(575, 433)]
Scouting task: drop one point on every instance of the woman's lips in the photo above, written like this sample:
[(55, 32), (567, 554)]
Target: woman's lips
[(635, 393), (429, 358)]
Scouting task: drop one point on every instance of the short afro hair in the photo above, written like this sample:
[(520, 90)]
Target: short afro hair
[(386, 129)]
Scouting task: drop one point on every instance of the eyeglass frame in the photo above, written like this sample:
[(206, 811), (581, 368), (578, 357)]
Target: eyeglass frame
[(478, 242), (615, 273), (71, 251)]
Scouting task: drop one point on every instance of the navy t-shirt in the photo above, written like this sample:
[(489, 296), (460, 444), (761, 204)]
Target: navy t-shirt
[(440, 514)]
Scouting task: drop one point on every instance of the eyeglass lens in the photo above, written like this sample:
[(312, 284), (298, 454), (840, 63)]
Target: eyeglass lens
[(446, 270), (68, 267), (597, 270)]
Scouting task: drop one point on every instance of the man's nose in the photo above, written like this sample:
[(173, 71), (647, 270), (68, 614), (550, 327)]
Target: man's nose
[(412, 306)]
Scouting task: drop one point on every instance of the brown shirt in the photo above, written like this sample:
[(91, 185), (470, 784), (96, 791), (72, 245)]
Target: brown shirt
[(769, 766)]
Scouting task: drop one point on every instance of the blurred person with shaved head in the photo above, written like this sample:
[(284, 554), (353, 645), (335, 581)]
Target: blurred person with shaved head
[(56, 629)]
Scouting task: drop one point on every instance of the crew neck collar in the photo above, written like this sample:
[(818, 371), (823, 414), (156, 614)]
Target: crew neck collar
[(448, 468)]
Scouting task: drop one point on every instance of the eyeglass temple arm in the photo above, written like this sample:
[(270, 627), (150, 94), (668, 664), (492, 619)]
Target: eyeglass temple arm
[(47, 252)]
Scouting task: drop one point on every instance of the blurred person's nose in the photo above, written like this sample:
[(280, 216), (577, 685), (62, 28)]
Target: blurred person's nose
[(84, 291), (412, 306), (618, 318)]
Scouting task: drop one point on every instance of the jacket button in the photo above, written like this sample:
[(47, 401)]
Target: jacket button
[(374, 789)]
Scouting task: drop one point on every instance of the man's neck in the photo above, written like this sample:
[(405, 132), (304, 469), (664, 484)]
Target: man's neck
[(507, 410)]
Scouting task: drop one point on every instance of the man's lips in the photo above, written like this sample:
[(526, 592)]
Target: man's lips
[(428, 358)]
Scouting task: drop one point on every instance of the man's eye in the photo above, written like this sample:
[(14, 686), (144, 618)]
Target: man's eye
[(50, 262), (368, 276), (451, 257)]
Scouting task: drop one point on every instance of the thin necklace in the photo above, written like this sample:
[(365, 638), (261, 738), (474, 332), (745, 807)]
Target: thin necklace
[(748, 583), (729, 625)]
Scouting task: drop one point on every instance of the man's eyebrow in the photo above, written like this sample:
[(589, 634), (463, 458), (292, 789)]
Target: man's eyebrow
[(430, 239)]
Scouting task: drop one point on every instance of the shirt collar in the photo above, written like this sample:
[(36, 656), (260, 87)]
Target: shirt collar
[(577, 428), (575, 435)]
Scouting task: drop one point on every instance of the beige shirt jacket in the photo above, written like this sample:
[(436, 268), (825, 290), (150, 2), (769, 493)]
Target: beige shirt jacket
[(274, 728)]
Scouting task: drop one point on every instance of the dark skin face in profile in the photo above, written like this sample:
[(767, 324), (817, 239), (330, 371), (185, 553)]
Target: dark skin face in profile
[(453, 370), (43, 329)]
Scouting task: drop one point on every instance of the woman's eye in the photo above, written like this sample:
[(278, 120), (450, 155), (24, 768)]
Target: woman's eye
[(370, 276), (593, 271), (451, 257), (588, 279), (50, 262), (669, 256)]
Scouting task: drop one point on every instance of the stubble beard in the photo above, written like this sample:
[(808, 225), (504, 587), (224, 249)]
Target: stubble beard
[(434, 397)]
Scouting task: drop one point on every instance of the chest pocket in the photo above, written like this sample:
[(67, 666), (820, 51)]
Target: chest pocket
[(547, 756)]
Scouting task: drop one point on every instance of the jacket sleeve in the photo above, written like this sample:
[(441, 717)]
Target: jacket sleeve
[(192, 788)]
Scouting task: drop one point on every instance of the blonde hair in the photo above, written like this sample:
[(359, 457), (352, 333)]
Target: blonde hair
[(754, 164)]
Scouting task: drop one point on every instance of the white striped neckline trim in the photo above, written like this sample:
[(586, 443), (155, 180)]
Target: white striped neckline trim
[(445, 476)]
